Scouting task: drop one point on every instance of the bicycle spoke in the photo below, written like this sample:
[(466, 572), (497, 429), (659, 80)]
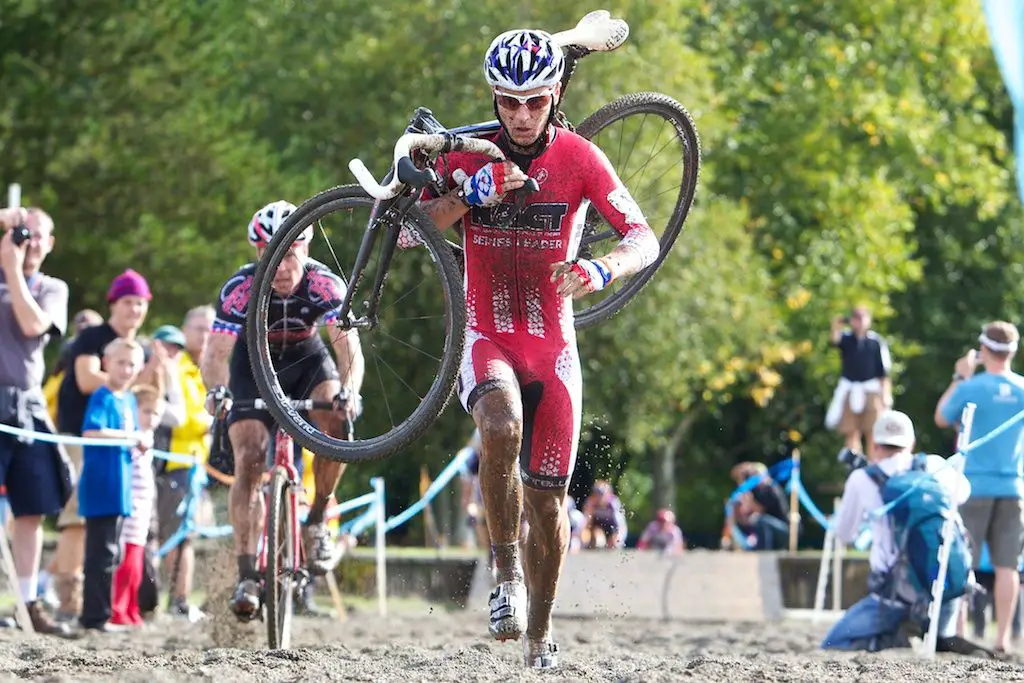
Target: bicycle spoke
[(330, 247), (420, 317), (649, 160), (397, 301), (400, 379), (414, 348), (649, 157), (383, 393), (636, 139)]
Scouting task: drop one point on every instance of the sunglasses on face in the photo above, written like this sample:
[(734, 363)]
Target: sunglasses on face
[(532, 102)]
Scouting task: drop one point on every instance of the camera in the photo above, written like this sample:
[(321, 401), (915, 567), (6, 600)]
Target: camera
[(852, 459), (20, 235)]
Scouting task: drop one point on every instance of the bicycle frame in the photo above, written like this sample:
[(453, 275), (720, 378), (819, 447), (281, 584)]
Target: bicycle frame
[(394, 210), (283, 458)]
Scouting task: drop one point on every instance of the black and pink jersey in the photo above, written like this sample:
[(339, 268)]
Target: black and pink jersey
[(293, 318)]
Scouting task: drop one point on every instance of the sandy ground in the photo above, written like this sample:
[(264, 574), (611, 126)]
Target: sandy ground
[(427, 644), (419, 642)]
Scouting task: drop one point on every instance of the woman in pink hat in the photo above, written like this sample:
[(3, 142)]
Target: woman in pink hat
[(129, 298)]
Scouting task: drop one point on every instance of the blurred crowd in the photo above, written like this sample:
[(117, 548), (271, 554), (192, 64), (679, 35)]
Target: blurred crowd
[(113, 505)]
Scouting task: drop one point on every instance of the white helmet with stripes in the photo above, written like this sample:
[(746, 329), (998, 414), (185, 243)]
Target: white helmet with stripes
[(267, 221), (524, 59)]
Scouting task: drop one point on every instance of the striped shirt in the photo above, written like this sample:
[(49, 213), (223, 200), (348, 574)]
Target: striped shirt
[(136, 527)]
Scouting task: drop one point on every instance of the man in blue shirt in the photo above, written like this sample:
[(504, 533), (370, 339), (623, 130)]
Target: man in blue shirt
[(993, 514)]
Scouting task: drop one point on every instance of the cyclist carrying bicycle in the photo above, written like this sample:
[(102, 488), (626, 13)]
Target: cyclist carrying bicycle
[(306, 294), (521, 378)]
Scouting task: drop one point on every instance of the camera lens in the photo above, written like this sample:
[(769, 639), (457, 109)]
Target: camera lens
[(20, 235)]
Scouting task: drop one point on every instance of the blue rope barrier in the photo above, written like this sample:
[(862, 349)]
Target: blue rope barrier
[(88, 441), (435, 487)]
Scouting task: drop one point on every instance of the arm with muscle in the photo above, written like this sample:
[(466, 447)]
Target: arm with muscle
[(214, 364), (351, 365)]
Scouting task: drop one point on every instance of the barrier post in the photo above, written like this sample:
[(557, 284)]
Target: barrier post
[(12, 578), (837, 563), (382, 599), (794, 502), (823, 568), (927, 650)]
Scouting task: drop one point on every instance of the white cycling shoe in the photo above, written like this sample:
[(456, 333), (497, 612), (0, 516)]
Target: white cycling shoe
[(508, 610), (542, 655)]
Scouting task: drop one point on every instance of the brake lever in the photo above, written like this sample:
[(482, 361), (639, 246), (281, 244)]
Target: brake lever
[(523, 192)]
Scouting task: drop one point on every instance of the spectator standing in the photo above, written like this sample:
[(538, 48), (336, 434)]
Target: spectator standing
[(33, 308), (129, 298), (185, 432), (83, 319), (865, 387), (104, 491), (994, 513), (135, 531)]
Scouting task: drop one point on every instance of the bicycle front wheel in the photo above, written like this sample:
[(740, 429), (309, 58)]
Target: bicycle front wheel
[(652, 144), (280, 577), (412, 350)]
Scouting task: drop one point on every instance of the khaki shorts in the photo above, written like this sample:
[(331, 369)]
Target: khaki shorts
[(863, 422), (171, 488), (69, 515), (998, 522)]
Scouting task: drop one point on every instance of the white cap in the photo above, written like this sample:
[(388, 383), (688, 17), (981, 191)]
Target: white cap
[(893, 428)]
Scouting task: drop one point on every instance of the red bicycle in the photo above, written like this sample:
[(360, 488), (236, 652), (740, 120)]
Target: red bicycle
[(281, 557)]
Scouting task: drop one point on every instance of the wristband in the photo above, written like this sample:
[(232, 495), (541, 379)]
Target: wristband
[(604, 270), (460, 193)]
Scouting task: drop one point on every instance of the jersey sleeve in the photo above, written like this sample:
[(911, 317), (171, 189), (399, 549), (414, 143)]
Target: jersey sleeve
[(954, 408), (54, 302), (613, 201), (98, 411), (232, 304)]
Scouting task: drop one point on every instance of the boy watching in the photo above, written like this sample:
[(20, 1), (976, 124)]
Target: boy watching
[(104, 497)]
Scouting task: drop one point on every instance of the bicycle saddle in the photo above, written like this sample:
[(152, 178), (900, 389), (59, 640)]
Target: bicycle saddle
[(596, 31)]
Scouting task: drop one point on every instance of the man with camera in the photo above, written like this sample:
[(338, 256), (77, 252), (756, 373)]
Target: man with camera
[(878, 620), (994, 512), (33, 307), (864, 389)]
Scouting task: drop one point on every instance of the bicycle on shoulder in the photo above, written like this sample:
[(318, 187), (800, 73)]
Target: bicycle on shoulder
[(304, 299), (405, 291), (281, 565)]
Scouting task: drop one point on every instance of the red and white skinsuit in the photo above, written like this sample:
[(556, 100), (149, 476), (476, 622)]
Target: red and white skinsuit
[(520, 332)]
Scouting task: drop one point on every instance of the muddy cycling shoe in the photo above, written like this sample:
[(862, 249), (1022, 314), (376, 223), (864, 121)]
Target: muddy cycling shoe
[(319, 548), (540, 655), (508, 611), (245, 603)]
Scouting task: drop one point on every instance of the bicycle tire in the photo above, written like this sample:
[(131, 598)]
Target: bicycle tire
[(440, 392), (280, 561), (676, 114)]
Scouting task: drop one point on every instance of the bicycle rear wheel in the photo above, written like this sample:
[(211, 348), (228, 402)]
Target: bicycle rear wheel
[(279, 579), (413, 353), (663, 184)]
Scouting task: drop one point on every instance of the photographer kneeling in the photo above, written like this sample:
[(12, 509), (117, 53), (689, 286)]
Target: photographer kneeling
[(898, 597)]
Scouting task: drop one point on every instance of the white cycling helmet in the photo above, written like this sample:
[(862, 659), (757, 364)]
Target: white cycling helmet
[(267, 221), (522, 60)]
